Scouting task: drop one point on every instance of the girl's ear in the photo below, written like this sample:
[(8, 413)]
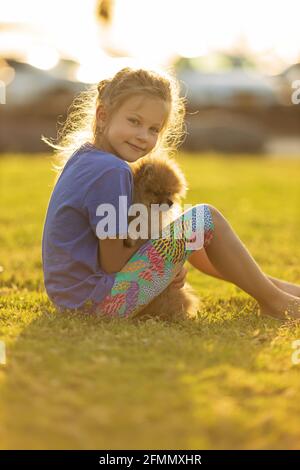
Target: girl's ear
[(101, 113)]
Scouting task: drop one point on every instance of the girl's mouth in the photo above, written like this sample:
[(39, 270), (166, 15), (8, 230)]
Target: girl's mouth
[(135, 147)]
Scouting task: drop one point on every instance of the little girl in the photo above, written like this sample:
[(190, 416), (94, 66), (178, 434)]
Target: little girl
[(135, 113)]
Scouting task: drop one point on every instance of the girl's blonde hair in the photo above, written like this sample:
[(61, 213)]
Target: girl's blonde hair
[(81, 125)]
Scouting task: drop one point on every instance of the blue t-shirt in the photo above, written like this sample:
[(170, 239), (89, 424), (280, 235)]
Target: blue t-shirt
[(70, 244)]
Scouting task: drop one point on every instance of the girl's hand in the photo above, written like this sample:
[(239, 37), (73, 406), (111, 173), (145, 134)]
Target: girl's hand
[(179, 279)]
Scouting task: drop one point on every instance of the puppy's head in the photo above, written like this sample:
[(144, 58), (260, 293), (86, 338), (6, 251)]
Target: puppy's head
[(158, 181)]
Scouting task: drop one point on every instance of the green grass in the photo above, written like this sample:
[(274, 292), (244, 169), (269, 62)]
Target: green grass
[(226, 381)]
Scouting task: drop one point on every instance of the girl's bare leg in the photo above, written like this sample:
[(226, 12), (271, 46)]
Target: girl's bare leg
[(200, 261), (286, 286), (233, 261)]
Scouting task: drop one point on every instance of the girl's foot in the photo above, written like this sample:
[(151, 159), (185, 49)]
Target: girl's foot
[(285, 307), (288, 287)]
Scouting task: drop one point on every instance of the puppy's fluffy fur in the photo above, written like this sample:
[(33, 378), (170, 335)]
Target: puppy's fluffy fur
[(161, 181)]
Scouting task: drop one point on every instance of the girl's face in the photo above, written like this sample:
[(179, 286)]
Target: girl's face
[(133, 130)]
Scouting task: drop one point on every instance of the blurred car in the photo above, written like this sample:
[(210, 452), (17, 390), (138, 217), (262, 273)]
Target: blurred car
[(34, 100), (226, 109)]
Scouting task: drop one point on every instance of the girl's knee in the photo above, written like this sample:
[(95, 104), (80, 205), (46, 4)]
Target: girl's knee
[(217, 221), (203, 221), (209, 223), (213, 213)]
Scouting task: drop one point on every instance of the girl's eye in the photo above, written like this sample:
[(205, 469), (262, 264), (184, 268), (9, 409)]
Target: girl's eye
[(133, 120)]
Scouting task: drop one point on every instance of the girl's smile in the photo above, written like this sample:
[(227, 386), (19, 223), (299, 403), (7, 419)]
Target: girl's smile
[(136, 148)]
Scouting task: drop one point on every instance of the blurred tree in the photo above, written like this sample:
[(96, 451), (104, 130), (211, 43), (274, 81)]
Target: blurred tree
[(215, 61), (104, 10)]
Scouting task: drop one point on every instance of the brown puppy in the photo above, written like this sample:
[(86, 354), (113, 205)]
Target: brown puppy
[(161, 181)]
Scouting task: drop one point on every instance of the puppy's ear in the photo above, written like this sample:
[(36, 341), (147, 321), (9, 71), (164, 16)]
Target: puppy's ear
[(147, 170)]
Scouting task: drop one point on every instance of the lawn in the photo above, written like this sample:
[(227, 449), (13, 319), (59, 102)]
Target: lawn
[(226, 381)]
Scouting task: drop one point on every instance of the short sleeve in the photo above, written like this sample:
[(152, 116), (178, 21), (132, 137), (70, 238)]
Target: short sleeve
[(107, 203)]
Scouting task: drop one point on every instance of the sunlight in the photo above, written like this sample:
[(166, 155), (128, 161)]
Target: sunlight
[(108, 66), (42, 57), (92, 73), (197, 28), (68, 26), (154, 32)]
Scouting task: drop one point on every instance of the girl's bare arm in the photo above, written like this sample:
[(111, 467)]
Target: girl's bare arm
[(113, 255)]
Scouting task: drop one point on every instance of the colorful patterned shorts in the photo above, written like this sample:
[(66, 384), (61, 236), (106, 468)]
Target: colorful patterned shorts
[(155, 264)]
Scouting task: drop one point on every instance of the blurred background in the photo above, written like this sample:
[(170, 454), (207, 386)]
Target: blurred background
[(238, 64)]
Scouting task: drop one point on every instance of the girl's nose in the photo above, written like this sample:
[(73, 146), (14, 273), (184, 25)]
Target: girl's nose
[(143, 134)]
